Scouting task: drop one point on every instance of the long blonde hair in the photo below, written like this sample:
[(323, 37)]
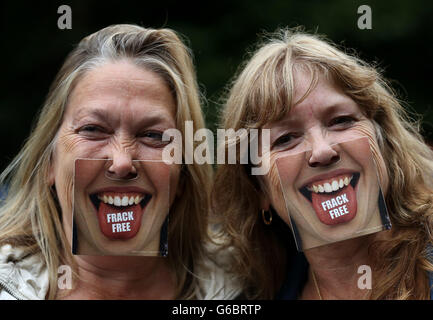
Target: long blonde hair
[(30, 215), (261, 93)]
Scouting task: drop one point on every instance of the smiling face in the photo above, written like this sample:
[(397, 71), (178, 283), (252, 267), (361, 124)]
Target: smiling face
[(118, 112), (324, 155), (115, 217)]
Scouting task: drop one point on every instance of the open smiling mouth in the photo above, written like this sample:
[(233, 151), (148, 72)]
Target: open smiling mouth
[(334, 199), (119, 213)]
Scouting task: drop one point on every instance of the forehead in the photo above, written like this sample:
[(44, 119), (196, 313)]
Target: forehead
[(314, 94), (314, 91), (120, 83)]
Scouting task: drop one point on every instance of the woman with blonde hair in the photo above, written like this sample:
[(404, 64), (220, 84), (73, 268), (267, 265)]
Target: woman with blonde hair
[(113, 98), (310, 94)]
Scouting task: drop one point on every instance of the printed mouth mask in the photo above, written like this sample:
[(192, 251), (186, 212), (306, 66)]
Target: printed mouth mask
[(120, 216), (334, 200), (326, 204)]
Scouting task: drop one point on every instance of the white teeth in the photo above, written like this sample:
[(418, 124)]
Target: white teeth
[(346, 181), (120, 201), (125, 201), (335, 186), (327, 187), (331, 186)]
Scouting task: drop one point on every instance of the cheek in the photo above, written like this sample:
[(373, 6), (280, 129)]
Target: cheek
[(280, 178), (164, 179), (273, 180), (63, 170), (367, 130), (174, 182), (63, 181), (381, 170), (68, 142), (87, 171), (71, 145), (147, 153), (285, 170)]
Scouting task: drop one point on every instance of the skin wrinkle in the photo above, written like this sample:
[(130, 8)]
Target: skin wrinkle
[(118, 120), (247, 104), (363, 127), (321, 135), (121, 141), (70, 141), (320, 142), (125, 145), (34, 201), (123, 148), (366, 128)]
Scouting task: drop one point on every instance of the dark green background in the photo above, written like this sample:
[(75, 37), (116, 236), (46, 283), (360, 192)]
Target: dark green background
[(219, 33)]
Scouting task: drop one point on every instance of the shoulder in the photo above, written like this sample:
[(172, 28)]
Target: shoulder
[(215, 279), (22, 276)]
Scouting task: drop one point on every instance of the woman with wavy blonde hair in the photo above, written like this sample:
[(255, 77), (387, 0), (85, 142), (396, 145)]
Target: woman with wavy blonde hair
[(132, 83), (307, 91)]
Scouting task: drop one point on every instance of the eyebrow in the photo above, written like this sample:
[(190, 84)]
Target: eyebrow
[(157, 118), (323, 111), (102, 115), (92, 112), (334, 108)]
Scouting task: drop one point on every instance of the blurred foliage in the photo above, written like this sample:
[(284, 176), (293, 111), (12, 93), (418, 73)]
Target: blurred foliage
[(220, 34)]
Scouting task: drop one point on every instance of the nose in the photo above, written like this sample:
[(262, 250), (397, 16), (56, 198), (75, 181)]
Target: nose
[(323, 153), (122, 166)]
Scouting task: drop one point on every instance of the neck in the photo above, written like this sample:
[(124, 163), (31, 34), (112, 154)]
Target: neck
[(129, 277), (335, 267)]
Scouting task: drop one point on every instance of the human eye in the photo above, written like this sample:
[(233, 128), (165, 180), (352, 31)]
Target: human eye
[(92, 131), (342, 122), (285, 141), (153, 138)]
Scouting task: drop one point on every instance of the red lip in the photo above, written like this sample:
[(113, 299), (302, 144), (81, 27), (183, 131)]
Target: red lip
[(120, 190), (328, 175)]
